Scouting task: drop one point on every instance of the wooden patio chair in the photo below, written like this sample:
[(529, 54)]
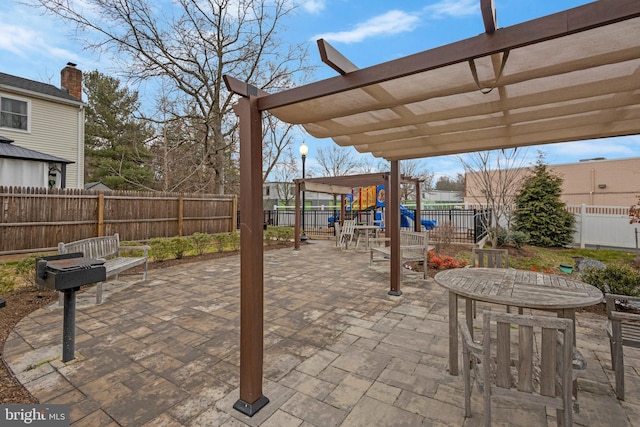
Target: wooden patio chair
[(623, 329), (490, 258), (337, 230), (346, 235), (520, 375)]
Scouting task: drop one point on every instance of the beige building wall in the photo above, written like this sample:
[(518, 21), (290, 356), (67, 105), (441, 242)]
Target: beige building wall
[(594, 182)]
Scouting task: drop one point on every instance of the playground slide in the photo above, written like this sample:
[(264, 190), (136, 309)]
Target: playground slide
[(406, 214)]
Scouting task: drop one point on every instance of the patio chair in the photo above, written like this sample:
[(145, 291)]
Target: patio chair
[(490, 258), (623, 328), (520, 375), (348, 230), (337, 229)]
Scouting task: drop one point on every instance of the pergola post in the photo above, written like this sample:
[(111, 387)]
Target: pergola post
[(393, 193), (296, 227), (251, 258), (417, 225)]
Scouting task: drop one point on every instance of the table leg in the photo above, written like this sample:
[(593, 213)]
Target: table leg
[(453, 333)]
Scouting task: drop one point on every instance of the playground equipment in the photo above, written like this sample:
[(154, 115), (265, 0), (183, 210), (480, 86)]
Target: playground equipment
[(406, 214), (371, 198)]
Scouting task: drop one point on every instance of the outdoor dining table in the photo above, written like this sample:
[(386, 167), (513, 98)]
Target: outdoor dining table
[(510, 287), (367, 230)]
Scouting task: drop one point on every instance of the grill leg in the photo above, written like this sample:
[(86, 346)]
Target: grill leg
[(69, 325)]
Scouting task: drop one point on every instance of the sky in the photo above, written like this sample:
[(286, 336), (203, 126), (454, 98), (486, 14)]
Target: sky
[(367, 32)]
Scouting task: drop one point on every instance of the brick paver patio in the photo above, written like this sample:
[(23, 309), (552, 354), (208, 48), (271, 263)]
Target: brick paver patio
[(338, 352)]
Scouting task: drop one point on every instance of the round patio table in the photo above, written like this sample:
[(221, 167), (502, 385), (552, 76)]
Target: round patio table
[(506, 286)]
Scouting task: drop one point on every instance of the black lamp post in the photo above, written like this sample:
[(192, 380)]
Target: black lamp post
[(303, 152)]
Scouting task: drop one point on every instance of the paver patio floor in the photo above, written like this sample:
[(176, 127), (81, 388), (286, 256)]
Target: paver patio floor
[(339, 351)]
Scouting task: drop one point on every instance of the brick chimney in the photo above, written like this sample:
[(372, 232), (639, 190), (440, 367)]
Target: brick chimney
[(71, 80)]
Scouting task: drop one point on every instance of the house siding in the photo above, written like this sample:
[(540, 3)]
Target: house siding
[(56, 129)]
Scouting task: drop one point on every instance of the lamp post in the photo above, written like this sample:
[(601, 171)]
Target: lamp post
[(303, 152)]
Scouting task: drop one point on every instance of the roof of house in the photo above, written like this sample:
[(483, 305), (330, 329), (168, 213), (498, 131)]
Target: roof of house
[(8, 150), (37, 87)]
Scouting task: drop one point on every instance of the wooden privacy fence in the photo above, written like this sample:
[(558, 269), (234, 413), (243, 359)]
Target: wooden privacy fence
[(36, 219)]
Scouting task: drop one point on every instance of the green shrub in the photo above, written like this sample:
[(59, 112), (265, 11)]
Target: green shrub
[(179, 246), (284, 233), (160, 248), (220, 241), (278, 233), (234, 241), (614, 278), (517, 238), (26, 269), (502, 237), (7, 279), (201, 242), (132, 252)]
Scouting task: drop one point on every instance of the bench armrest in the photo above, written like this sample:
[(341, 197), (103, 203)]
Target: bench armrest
[(373, 240)]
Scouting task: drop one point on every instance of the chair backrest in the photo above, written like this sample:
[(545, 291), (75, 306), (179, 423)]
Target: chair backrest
[(490, 258), (625, 310), (521, 374), (348, 227)]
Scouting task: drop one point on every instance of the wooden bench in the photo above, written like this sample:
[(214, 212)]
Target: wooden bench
[(413, 247), (109, 249)]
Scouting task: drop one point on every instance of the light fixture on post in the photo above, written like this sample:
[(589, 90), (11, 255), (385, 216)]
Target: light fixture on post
[(303, 152)]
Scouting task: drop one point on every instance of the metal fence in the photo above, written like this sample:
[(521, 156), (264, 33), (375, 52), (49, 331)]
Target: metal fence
[(468, 225)]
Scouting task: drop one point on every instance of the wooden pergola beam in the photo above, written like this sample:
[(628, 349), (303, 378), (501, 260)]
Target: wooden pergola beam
[(581, 18)]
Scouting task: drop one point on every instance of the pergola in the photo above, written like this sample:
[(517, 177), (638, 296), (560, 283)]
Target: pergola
[(569, 76), (342, 185)]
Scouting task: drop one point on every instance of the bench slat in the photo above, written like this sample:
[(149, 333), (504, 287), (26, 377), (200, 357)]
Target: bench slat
[(107, 248)]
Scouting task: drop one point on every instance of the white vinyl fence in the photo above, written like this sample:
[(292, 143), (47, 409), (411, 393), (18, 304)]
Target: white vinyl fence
[(604, 226)]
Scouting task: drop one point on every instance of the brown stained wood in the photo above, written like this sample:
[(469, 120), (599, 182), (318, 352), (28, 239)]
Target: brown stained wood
[(251, 255), (549, 27), (35, 220), (393, 195)]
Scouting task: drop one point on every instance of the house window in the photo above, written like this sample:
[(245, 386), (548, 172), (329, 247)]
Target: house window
[(14, 113)]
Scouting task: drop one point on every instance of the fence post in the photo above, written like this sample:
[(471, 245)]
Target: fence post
[(234, 217), (100, 215), (583, 211), (180, 214)]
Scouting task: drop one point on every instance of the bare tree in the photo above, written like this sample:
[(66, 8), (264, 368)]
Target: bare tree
[(414, 169), (284, 173), (192, 48), (493, 179), (336, 161)]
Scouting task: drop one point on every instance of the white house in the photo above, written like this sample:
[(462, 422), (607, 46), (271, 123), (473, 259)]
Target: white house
[(42, 131)]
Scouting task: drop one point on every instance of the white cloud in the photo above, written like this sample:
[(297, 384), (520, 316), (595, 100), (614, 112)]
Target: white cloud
[(608, 148), (19, 40), (314, 6), (452, 8), (392, 22)]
